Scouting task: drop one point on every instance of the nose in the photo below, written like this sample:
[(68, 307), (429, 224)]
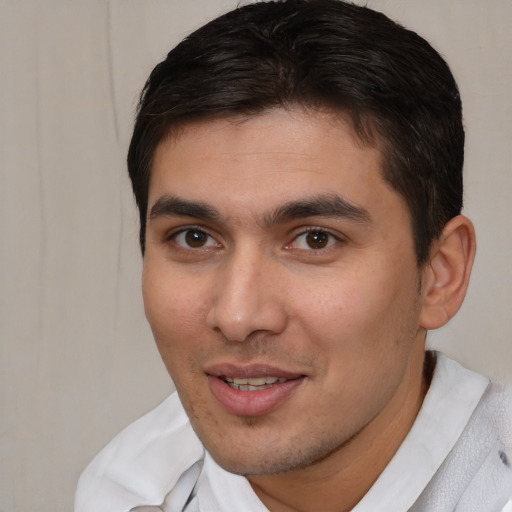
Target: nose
[(246, 299)]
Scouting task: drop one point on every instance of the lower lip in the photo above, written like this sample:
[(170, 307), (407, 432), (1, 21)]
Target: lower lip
[(252, 403)]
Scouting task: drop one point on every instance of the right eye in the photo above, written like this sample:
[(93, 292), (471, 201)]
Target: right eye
[(194, 239)]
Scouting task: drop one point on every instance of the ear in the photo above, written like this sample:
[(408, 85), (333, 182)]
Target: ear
[(445, 277)]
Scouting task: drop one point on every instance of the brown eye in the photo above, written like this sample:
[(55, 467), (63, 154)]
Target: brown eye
[(317, 239), (194, 239), (314, 240)]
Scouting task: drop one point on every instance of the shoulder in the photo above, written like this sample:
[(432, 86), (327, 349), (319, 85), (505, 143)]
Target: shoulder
[(476, 474), (142, 464)]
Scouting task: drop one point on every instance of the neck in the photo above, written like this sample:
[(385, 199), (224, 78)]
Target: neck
[(339, 481)]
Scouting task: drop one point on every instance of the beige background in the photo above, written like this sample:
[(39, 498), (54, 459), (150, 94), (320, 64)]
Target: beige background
[(77, 360)]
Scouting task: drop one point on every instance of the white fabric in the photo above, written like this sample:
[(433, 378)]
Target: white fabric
[(453, 396), (158, 464), (476, 475)]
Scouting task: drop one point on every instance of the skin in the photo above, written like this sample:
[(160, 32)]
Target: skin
[(236, 283)]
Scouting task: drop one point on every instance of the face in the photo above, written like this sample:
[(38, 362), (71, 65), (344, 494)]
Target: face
[(281, 285)]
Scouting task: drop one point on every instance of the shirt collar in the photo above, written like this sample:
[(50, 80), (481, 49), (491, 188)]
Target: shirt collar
[(451, 399), (141, 464)]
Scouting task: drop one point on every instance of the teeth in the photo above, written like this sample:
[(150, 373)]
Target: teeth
[(254, 383)]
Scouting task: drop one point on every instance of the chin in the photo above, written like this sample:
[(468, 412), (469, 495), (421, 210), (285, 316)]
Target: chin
[(258, 460), (256, 467)]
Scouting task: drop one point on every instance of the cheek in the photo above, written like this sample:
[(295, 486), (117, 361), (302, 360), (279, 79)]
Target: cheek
[(174, 309), (340, 304), (360, 312)]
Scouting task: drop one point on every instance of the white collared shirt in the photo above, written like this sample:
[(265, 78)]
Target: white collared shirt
[(158, 463)]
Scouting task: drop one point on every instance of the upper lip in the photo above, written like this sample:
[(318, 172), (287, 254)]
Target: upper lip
[(250, 371)]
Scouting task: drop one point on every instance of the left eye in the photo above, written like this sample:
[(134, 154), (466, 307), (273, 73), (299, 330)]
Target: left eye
[(314, 240), (194, 239)]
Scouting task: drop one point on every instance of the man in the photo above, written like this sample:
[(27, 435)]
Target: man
[(298, 171)]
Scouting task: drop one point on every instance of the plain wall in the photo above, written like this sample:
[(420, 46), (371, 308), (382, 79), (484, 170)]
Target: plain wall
[(77, 360)]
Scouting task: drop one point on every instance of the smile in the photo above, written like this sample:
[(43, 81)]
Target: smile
[(252, 384)]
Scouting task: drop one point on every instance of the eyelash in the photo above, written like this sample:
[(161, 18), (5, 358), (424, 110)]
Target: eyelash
[(172, 237), (332, 239)]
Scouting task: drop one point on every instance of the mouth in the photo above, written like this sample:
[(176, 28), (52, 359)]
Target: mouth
[(253, 390), (253, 384)]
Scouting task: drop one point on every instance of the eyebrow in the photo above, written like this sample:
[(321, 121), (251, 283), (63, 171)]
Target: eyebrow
[(317, 206), (171, 206)]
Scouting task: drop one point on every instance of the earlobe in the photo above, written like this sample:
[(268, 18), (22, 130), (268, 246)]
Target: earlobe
[(446, 275)]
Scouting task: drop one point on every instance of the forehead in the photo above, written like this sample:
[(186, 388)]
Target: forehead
[(288, 144)]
